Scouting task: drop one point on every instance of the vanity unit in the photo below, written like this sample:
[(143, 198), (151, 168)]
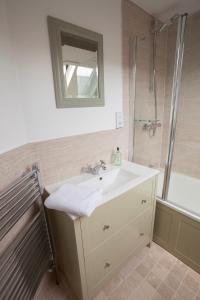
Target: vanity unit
[(90, 250)]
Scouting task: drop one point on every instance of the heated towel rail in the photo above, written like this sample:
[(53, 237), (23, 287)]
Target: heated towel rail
[(30, 254)]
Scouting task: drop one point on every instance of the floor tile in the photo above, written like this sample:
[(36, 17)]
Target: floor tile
[(153, 274), (178, 271), (172, 281), (160, 271), (165, 291), (123, 291), (167, 262), (135, 261), (185, 293), (125, 271), (135, 279), (191, 283), (142, 270), (112, 285), (198, 295), (177, 297), (153, 279), (101, 296), (149, 261), (157, 296), (144, 292)]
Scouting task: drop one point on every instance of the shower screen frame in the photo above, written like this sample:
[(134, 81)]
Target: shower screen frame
[(174, 102), (175, 95)]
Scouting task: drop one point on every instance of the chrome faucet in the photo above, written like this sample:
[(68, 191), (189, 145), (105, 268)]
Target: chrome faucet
[(96, 169)]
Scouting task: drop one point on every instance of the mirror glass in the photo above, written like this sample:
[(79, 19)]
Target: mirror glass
[(80, 69)]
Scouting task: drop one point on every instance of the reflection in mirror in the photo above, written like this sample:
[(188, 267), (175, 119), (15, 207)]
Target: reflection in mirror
[(80, 67)]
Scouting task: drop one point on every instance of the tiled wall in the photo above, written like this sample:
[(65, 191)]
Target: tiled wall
[(152, 150), (62, 158), (146, 149)]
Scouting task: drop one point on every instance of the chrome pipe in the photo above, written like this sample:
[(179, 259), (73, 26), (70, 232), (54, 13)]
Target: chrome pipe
[(35, 281), (133, 47), (34, 278), (19, 257), (12, 258), (12, 220), (155, 81), (11, 205), (24, 261), (174, 101), (29, 271), (18, 245), (21, 263)]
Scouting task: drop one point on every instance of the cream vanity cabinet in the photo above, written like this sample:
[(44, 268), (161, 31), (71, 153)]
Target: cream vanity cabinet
[(90, 250)]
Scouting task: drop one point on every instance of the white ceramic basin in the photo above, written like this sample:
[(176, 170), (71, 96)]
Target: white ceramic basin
[(110, 180), (114, 181)]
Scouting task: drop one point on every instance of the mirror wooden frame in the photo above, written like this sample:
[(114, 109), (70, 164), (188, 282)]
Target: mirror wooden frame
[(55, 28)]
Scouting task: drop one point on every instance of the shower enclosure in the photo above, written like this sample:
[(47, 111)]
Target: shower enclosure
[(165, 128), (165, 108)]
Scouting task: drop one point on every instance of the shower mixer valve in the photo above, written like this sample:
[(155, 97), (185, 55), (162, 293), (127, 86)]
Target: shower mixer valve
[(151, 127)]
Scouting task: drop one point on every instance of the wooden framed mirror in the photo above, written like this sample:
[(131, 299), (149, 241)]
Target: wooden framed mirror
[(77, 63)]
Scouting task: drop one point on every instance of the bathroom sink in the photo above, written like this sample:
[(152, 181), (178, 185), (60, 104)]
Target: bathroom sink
[(113, 182), (110, 180)]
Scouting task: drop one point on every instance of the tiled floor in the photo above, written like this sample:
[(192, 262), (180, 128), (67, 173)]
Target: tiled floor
[(153, 274)]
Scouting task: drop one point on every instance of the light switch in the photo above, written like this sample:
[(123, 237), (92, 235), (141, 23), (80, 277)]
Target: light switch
[(119, 119)]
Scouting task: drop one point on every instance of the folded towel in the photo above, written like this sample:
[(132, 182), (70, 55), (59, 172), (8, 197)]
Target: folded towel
[(74, 199)]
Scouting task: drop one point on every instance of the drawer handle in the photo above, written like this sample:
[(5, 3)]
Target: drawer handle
[(107, 265), (144, 201), (106, 227), (142, 233)]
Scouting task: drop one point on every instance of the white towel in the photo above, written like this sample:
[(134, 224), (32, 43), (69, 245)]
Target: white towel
[(74, 199)]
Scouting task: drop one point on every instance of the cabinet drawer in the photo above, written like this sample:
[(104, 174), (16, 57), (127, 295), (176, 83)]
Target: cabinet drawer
[(114, 251), (110, 217)]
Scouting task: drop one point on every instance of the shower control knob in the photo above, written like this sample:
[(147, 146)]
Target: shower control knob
[(144, 201), (107, 265), (106, 227)]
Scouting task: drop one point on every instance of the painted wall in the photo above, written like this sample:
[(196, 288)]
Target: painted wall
[(12, 122), (30, 42)]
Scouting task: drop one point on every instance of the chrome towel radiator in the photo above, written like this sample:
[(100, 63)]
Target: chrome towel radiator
[(30, 254)]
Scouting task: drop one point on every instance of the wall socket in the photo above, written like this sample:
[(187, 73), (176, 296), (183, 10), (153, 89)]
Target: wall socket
[(119, 119)]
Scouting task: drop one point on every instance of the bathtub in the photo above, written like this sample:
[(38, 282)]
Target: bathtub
[(184, 194), (177, 221)]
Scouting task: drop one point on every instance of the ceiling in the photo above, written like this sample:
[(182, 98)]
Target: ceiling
[(165, 9)]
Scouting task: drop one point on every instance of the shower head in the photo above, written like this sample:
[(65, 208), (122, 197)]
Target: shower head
[(162, 27), (174, 18)]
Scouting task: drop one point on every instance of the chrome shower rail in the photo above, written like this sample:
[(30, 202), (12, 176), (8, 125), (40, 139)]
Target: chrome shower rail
[(30, 255), (133, 45)]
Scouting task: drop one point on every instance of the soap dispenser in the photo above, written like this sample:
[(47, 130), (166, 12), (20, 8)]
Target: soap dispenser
[(117, 158)]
